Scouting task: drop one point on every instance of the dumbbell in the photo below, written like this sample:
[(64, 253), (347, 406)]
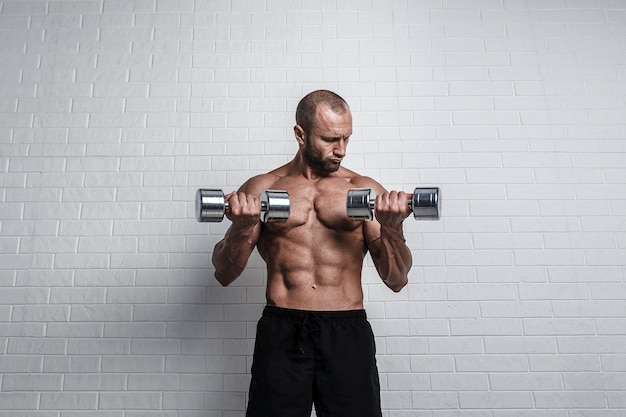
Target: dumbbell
[(211, 206), (424, 203)]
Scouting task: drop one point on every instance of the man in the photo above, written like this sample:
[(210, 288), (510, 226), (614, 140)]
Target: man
[(314, 344)]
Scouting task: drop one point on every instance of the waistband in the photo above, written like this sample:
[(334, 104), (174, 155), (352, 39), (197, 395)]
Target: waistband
[(324, 315)]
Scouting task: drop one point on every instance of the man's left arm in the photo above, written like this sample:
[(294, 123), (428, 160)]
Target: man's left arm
[(385, 238)]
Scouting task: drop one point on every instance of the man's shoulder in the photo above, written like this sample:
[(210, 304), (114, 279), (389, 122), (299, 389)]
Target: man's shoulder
[(260, 183), (357, 180)]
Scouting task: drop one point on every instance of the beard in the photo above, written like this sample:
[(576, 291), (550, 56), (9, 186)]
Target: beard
[(317, 161)]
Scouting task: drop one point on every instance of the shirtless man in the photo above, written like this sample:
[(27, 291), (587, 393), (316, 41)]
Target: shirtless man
[(314, 344)]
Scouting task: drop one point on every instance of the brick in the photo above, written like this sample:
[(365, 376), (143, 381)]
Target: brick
[(590, 274), (459, 382), (554, 292), (452, 310), (32, 383), (513, 241), (68, 401), (36, 346), (518, 345), (134, 364), (495, 363), (148, 347), (410, 346), (40, 313), (88, 195), (129, 401), (483, 257), (69, 364), (523, 309), (18, 401), (98, 346), (91, 382), (455, 346), (107, 245), (142, 295), (603, 308), (138, 260), (101, 313), (545, 224), (585, 399), (43, 244), (434, 400), (593, 381), (77, 296), (185, 330), (497, 400), (26, 296), (468, 327), (73, 261), (155, 382), (599, 344), (74, 330), (93, 211)]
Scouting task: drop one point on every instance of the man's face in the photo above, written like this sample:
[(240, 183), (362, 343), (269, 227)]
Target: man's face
[(325, 145)]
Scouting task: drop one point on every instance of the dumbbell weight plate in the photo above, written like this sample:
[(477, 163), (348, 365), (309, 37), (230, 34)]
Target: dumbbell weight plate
[(425, 203), (276, 206), (360, 203), (210, 205)]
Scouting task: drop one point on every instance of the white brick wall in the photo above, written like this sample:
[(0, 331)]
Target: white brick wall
[(112, 113)]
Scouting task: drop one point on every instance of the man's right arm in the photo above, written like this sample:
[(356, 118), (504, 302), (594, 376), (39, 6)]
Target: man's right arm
[(231, 254)]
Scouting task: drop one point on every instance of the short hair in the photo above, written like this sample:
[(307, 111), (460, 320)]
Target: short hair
[(306, 110)]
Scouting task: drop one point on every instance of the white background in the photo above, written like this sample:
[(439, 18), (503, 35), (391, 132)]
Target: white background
[(112, 114)]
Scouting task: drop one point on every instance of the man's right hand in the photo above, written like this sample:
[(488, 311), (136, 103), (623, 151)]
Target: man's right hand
[(244, 209)]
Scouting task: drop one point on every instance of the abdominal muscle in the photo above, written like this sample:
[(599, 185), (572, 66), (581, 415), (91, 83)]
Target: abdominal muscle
[(313, 267)]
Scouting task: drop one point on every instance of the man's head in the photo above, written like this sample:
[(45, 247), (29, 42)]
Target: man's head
[(307, 107), (324, 126)]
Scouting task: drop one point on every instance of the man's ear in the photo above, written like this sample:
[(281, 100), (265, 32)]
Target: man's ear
[(299, 133)]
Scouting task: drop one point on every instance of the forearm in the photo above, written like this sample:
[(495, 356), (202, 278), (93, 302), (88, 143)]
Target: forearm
[(231, 254), (393, 258)]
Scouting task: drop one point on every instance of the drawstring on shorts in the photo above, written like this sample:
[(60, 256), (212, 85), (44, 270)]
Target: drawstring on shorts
[(309, 324)]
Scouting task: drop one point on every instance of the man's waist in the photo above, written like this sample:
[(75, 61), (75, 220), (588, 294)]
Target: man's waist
[(297, 314)]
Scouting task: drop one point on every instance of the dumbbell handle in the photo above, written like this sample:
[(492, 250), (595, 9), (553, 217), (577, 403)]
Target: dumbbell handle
[(263, 206)]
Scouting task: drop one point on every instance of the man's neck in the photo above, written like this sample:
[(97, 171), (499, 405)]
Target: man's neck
[(299, 167)]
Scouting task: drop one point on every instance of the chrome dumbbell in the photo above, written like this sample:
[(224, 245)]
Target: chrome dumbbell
[(211, 206), (424, 203)]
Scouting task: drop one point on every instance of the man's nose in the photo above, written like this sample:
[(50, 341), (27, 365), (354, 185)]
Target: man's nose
[(340, 148)]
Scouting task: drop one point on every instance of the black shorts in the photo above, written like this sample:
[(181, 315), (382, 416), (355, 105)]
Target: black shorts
[(323, 358)]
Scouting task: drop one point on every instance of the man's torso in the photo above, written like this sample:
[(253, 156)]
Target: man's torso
[(314, 259)]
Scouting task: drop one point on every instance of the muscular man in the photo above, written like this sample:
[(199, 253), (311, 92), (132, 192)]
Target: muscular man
[(314, 344)]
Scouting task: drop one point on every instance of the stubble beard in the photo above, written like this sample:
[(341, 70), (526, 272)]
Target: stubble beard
[(317, 161)]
